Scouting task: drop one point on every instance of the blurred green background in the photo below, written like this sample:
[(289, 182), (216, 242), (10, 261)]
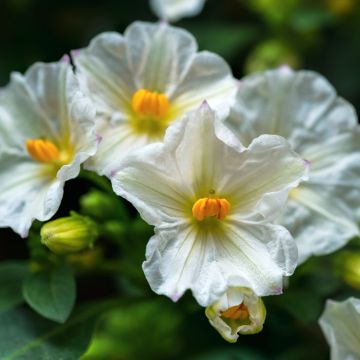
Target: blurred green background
[(252, 35)]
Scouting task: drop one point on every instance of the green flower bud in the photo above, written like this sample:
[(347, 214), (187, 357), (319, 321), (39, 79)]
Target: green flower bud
[(238, 311), (69, 234)]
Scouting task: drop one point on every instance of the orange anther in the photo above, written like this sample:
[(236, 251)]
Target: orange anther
[(237, 312), (150, 104), (42, 150), (206, 207)]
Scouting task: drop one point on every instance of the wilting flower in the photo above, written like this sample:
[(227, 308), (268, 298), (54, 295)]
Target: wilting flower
[(46, 132), (211, 202), (340, 324), (238, 311), (143, 81), (174, 10), (323, 213)]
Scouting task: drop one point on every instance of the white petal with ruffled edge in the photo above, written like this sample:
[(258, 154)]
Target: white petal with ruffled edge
[(324, 213), (199, 155), (44, 103), (174, 10), (157, 58), (340, 324)]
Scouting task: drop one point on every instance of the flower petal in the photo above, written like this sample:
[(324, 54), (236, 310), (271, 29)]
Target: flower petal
[(301, 106), (266, 171), (324, 214), (181, 258), (209, 78), (148, 180), (25, 194), (27, 112), (174, 10), (340, 324), (159, 55), (320, 223), (104, 71)]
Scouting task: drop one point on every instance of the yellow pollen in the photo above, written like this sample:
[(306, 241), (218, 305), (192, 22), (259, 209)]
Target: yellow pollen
[(237, 312), (150, 104), (42, 150), (206, 207)]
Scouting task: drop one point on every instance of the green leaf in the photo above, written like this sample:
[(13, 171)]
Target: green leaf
[(122, 331), (51, 293), (25, 335), (12, 274)]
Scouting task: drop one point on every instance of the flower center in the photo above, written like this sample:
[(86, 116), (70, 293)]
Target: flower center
[(148, 104), (206, 207), (237, 312), (45, 151)]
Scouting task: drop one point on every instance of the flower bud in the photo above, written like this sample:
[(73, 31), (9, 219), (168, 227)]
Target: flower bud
[(69, 234), (239, 311)]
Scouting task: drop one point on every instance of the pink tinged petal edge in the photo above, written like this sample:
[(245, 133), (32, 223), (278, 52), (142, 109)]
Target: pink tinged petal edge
[(175, 297), (98, 138), (65, 59), (285, 69), (74, 53), (205, 105)]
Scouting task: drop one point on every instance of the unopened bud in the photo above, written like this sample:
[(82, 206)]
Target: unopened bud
[(69, 234), (239, 311)]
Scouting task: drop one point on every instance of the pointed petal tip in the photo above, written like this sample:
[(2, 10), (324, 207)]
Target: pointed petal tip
[(285, 69), (74, 53), (65, 59), (205, 105), (175, 297)]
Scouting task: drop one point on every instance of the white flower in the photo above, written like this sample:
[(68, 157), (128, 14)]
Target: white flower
[(340, 324), (239, 311), (323, 213), (211, 202), (46, 132), (143, 81), (174, 10)]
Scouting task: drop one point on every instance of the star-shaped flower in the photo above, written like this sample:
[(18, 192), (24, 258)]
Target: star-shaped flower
[(212, 202), (46, 131), (143, 81)]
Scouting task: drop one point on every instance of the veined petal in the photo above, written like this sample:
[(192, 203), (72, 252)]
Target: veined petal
[(183, 257), (209, 78), (319, 221), (269, 169), (104, 71), (24, 114), (159, 55), (117, 142), (174, 10), (149, 180), (301, 106), (324, 214), (25, 193), (340, 324)]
